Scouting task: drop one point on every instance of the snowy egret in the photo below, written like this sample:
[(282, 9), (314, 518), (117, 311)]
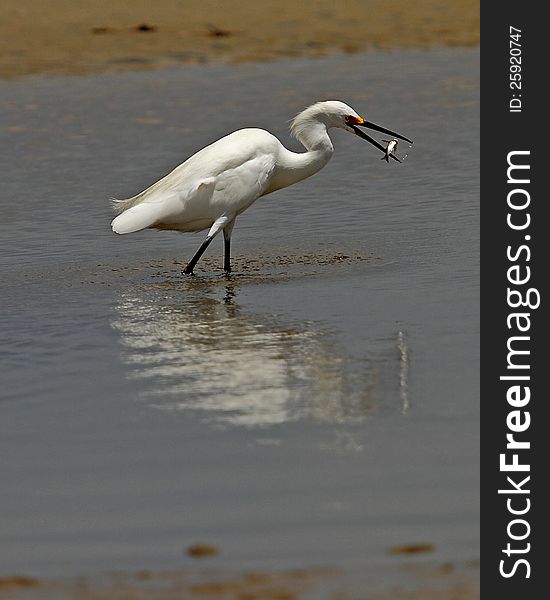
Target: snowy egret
[(214, 186)]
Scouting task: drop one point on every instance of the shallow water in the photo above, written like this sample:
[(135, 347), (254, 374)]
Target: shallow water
[(319, 406)]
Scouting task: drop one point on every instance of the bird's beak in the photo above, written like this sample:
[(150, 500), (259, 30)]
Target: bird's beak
[(367, 137)]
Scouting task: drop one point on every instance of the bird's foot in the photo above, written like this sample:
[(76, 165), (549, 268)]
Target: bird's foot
[(188, 270)]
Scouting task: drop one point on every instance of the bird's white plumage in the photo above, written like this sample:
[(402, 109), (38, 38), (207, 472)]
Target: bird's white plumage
[(223, 178)]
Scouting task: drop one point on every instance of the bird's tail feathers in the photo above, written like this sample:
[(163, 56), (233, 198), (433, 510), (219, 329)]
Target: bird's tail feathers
[(135, 218), (119, 206)]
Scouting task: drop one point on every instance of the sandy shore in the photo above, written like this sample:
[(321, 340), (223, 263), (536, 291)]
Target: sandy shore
[(422, 583), (67, 37)]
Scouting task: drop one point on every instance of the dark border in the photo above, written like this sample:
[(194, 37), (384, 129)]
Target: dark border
[(501, 132)]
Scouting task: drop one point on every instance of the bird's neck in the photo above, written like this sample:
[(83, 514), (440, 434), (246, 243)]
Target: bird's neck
[(297, 166)]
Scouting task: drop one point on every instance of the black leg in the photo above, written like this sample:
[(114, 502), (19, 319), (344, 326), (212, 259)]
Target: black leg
[(227, 255), (227, 246), (189, 268)]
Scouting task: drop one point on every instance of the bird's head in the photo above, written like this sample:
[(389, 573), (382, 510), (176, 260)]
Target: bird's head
[(333, 113)]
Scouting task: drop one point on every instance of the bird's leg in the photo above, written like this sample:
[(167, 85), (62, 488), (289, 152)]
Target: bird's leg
[(191, 265), (227, 255), (227, 246), (218, 225)]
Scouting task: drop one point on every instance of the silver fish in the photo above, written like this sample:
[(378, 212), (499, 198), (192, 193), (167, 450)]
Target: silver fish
[(390, 148)]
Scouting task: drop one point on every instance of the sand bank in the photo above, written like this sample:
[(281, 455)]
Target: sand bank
[(67, 37), (443, 582)]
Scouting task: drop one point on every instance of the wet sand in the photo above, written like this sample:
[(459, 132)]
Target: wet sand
[(442, 582), (85, 37)]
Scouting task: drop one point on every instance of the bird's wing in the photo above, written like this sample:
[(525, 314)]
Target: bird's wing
[(221, 179), (237, 187), (162, 205)]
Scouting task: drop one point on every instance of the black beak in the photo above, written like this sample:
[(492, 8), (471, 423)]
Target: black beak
[(367, 137)]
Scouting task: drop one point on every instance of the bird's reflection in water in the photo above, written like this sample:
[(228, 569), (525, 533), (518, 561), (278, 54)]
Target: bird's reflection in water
[(200, 351)]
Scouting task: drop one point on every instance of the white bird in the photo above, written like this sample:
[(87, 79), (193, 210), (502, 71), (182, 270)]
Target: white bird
[(214, 186)]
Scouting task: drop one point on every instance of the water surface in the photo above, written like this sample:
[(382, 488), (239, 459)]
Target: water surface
[(317, 407)]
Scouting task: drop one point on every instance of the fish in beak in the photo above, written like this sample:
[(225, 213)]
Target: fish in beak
[(362, 123)]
